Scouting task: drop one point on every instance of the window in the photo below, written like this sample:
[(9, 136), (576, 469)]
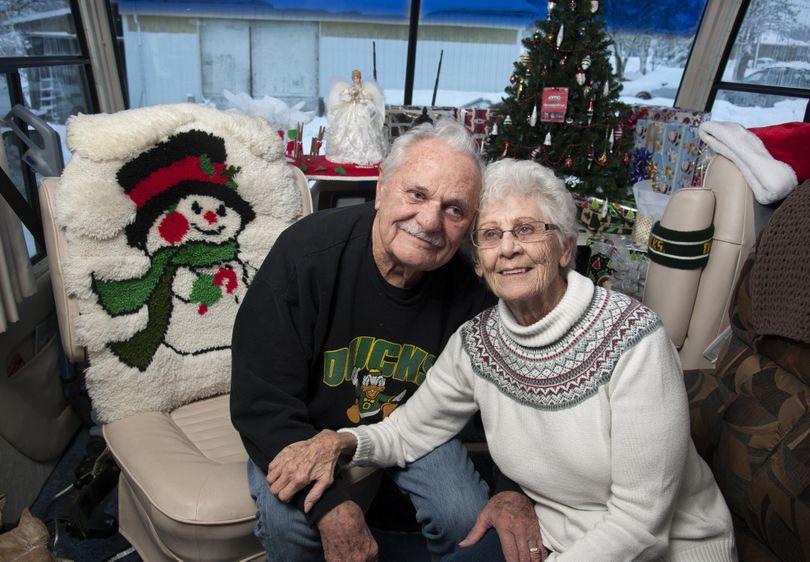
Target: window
[(42, 68), (766, 78)]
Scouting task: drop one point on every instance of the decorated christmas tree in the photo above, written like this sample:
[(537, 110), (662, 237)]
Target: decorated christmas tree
[(562, 107)]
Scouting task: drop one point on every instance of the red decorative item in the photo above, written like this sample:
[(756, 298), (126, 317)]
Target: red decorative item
[(173, 227), (226, 277), (626, 158), (554, 104), (569, 162)]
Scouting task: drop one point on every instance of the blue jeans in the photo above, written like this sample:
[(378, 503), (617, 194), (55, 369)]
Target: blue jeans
[(488, 549), (444, 487)]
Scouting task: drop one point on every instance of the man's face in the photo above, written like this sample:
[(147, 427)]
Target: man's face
[(425, 209)]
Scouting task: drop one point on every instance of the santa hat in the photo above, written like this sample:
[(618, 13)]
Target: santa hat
[(772, 159), (191, 162)]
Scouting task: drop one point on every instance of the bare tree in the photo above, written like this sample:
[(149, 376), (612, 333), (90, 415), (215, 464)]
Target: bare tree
[(11, 42), (762, 17)]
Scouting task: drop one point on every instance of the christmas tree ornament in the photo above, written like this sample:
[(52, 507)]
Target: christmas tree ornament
[(602, 160), (544, 72), (580, 77), (569, 162), (626, 158), (590, 112), (547, 141), (569, 120), (590, 157), (505, 150), (586, 62), (606, 88), (573, 5), (610, 140), (494, 131), (508, 120), (513, 79), (564, 60), (560, 34), (586, 90), (519, 89), (551, 6), (533, 116), (535, 152), (594, 6), (619, 133)]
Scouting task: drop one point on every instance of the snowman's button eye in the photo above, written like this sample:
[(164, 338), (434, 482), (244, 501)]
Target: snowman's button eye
[(221, 210), (196, 208)]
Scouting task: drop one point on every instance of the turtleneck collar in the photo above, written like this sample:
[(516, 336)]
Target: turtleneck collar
[(556, 323)]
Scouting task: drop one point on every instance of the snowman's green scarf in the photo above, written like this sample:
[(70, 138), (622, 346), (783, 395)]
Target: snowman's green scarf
[(154, 289)]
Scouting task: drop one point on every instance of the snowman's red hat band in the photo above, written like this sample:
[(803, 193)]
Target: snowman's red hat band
[(189, 168)]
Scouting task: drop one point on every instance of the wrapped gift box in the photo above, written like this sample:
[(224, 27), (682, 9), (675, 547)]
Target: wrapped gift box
[(476, 121), (671, 135), (400, 118), (599, 215)]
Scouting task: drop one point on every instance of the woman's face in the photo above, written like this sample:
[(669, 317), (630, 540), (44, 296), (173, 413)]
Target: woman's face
[(527, 276)]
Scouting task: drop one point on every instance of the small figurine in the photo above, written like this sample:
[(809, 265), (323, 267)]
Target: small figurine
[(356, 116)]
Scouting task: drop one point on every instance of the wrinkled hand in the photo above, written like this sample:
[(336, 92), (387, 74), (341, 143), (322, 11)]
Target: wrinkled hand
[(313, 460), (512, 514), (345, 535)]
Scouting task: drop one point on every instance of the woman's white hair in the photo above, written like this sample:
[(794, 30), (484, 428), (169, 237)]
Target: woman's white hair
[(509, 177), (450, 132)]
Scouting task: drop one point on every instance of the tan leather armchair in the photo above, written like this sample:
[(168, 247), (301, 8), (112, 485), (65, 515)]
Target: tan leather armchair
[(183, 492), (693, 304)]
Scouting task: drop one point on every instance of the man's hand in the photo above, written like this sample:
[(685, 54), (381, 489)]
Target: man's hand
[(512, 515), (345, 535), (306, 461)]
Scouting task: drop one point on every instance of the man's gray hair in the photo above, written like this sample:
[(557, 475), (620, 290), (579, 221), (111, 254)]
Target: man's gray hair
[(509, 177), (450, 132)]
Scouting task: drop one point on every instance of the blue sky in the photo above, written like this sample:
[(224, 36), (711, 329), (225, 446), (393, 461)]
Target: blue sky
[(671, 16)]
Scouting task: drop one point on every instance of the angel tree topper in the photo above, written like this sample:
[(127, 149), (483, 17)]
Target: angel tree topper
[(356, 115)]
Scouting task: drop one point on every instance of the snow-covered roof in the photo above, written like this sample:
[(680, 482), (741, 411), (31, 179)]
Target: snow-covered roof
[(37, 16)]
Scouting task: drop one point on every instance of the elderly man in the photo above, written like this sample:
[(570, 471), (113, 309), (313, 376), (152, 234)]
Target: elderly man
[(340, 326)]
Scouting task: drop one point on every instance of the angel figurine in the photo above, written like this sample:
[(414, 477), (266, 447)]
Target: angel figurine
[(356, 115)]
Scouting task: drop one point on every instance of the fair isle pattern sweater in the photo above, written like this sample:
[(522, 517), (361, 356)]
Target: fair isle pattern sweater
[(568, 370), (611, 468)]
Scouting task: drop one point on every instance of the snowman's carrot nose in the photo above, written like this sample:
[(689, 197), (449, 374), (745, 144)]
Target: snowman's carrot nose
[(210, 216)]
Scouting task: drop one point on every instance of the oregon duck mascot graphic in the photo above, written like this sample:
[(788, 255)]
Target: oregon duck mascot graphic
[(370, 399), (189, 214)]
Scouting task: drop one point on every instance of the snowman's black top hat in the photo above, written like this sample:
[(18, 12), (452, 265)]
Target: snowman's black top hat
[(192, 162)]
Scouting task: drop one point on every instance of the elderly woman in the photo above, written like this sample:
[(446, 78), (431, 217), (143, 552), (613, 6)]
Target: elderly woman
[(580, 391)]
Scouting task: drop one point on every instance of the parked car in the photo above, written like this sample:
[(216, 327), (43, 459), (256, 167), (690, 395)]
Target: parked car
[(785, 75), (664, 91)]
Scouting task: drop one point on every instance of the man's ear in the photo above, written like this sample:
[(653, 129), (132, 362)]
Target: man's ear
[(477, 266), (378, 191)]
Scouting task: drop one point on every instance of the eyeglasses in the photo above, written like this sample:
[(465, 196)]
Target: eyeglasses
[(527, 232)]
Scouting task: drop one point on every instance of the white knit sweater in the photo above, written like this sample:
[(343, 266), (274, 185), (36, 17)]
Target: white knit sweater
[(587, 412)]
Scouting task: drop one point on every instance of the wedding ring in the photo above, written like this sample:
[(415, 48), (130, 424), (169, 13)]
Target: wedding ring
[(534, 549)]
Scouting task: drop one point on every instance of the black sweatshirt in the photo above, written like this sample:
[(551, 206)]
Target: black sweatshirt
[(319, 322)]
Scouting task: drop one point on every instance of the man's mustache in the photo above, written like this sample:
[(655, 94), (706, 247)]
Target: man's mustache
[(415, 230)]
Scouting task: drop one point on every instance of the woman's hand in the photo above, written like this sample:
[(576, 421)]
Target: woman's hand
[(313, 460), (512, 514)]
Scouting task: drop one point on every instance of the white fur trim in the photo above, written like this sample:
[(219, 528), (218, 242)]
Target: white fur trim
[(769, 179)]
